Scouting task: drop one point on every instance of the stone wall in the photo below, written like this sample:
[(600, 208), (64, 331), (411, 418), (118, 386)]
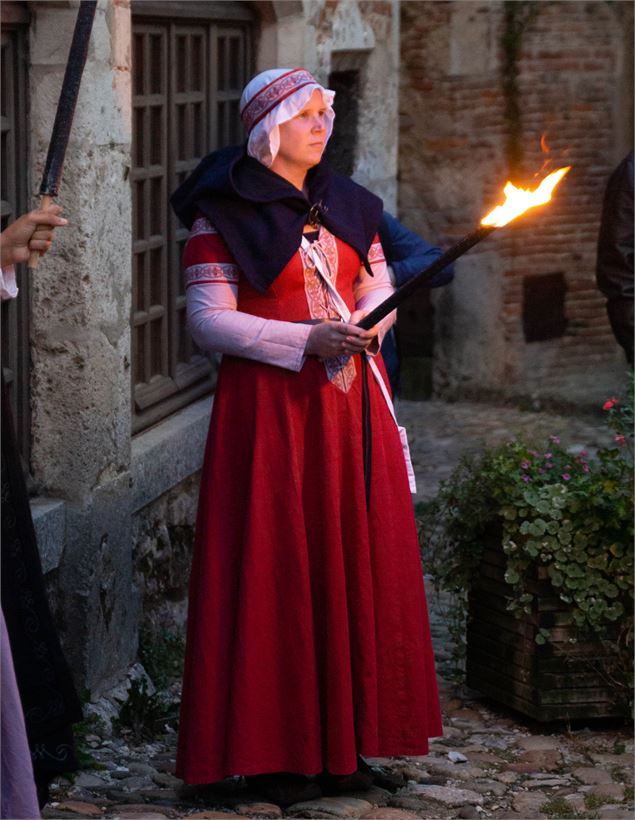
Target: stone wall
[(80, 328), (575, 87), (114, 514), (163, 534), (326, 36)]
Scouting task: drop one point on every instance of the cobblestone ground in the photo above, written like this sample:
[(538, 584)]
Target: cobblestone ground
[(489, 763), (439, 433)]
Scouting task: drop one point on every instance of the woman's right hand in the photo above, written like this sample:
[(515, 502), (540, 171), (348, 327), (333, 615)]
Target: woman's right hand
[(332, 338)]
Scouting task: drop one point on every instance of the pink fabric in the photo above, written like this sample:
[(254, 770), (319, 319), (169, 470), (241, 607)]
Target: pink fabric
[(8, 286), (19, 796)]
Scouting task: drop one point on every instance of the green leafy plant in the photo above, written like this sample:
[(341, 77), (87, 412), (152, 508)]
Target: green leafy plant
[(91, 724), (593, 802), (162, 654), (143, 714), (558, 808), (559, 515)]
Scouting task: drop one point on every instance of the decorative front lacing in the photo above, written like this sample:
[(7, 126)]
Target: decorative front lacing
[(340, 370)]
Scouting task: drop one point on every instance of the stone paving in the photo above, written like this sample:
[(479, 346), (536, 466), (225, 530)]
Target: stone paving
[(490, 762), (439, 433)]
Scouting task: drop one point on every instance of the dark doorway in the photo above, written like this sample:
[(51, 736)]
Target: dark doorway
[(340, 151)]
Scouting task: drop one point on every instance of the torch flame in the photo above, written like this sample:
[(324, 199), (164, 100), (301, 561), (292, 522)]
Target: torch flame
[(519, 200)]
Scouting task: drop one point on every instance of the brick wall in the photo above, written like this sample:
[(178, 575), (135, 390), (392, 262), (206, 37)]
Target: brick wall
[(575, 73)]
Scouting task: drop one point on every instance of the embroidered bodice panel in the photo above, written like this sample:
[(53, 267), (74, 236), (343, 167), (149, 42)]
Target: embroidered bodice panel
[(300, 294)]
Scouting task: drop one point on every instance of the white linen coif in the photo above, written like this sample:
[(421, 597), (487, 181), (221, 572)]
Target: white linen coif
[(273, 91)]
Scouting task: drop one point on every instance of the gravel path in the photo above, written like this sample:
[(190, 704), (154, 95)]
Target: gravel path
[(439, 433), (488, 764)]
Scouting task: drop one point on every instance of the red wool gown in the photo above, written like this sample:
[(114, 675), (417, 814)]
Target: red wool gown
[(308, 640)]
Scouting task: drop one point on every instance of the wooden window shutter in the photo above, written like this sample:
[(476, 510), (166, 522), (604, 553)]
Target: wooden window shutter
[(14, 202), (188, 74)]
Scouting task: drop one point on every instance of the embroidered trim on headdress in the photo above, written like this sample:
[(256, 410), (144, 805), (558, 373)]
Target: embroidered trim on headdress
[(273, 94)]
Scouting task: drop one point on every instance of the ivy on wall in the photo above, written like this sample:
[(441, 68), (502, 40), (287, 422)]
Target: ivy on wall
[(518, 16)]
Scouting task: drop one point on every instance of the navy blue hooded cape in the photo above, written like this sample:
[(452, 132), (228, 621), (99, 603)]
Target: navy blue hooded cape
[(261, 216)]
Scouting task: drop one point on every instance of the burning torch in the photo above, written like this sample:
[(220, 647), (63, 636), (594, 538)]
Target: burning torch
[(517, 201)]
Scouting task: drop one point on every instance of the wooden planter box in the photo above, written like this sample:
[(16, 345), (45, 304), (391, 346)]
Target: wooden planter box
[(553, 681)]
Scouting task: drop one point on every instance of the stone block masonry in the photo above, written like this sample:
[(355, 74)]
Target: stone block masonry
[(80, 342)]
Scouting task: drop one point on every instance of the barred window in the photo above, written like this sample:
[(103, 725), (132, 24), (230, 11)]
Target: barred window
[(188, 74), (13, 108)]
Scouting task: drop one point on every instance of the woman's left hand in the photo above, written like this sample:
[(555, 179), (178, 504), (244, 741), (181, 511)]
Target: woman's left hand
[(331, 338), (357, 316), (373, 343)]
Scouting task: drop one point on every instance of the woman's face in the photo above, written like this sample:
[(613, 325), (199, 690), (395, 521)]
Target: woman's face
[(303, 139)]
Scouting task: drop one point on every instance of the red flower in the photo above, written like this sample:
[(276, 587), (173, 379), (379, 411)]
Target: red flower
[(610, 403), (619, 439)]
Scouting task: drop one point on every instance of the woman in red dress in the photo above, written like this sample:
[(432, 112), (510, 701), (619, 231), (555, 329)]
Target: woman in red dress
[(308, 641)]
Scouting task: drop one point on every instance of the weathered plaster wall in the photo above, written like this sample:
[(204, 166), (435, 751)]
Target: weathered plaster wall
[(166, 462), (80, 324), (573, 72), (162, 537), (324, 35)]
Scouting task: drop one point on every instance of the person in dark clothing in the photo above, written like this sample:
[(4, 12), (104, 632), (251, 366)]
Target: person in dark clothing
[(46, 691), (614, 271), (407, 254)]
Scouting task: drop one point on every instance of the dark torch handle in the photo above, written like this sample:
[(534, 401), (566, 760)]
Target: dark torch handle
[(421, 279), (68, 98), (66, 107)]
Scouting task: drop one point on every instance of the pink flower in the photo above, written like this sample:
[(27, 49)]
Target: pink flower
[(548, 455), (549, 465), (610, 403), (541, 471), (585, 468), (555, 439), (584, 453), (526, 478), (619, 439), (567, 466), (566, 476), (525, 465)]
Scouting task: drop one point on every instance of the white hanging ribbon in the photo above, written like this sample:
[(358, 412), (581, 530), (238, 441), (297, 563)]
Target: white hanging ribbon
[(322, 266)]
